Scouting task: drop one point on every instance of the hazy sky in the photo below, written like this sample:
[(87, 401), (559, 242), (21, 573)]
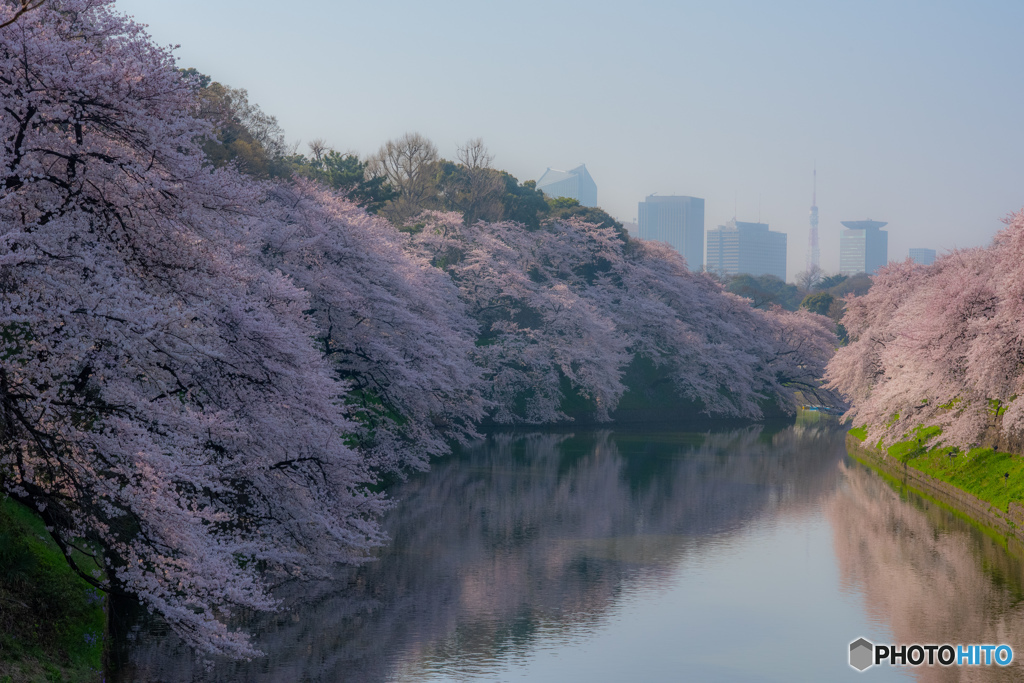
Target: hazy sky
[(912, 110)]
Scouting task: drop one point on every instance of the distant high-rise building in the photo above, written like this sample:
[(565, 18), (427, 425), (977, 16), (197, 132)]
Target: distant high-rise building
[(863, 247), (575, 184), (813, 250), (747, 248), (925, 257), (677, 220)]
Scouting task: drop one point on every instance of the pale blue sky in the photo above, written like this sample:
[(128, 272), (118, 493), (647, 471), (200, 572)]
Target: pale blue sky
[(912, 110)]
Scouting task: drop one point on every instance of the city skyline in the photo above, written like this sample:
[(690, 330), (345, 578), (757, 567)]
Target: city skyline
[(898, 104), (916, 254)]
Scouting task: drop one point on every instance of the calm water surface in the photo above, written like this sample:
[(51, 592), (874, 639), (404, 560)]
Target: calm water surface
[(748, 555)]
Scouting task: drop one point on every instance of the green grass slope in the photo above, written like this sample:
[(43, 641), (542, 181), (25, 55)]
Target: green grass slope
[(52, 623), (993, 476)]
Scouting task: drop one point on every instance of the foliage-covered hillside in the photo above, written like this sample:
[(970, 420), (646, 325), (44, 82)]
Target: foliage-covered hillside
[(940, 345), (567, 307), (52, 623), (208, 363)]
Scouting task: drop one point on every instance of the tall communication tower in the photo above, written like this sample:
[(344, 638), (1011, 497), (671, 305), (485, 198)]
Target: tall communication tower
[(813, 251)]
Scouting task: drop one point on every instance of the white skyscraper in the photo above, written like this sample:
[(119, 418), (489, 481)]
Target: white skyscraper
[(676, 220), (748, 248), (863, 247), (574, 184)]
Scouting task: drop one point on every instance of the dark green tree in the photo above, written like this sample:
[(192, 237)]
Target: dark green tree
[(857, 285), (765, 291), (827, 283), (522, 203), (345, 172), (819, 302), (564, 207), (201, 80)]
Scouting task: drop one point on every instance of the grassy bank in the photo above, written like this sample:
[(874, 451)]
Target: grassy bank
[(52, 623), (993, 476)]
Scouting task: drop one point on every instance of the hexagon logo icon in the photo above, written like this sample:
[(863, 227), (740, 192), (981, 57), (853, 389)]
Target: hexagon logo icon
[(861, 654)]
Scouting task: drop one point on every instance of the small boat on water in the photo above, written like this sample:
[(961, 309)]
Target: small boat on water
[(822, 409)]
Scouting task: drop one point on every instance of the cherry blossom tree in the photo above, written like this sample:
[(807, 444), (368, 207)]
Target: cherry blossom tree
[(161, 403), (392, 324), (535, 329), (569, 306), (940, 345), (202, 374)]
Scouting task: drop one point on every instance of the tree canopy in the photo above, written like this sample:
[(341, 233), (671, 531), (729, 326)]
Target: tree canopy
[(211, 351), (345, 173), (940, 345), (827, 282), (162, 403), (765, 291), (565, 207), (858, 285), (572, 303), (820, 303)]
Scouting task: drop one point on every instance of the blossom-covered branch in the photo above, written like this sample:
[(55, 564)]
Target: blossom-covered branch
[(940, 345), (571, 305), (160, 396)]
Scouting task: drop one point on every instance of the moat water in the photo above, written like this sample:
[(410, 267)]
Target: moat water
[(754, 554)]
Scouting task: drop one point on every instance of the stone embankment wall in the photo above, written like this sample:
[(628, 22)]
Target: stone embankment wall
[(1009, 522)]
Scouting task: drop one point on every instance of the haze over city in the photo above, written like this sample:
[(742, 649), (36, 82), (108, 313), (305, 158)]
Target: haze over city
[(909, 110)]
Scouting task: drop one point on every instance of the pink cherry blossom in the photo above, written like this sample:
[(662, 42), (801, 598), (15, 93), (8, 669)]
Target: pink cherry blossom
[(392, 324), (940, 345), (578, 302), (202, 376), (159, 391)]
